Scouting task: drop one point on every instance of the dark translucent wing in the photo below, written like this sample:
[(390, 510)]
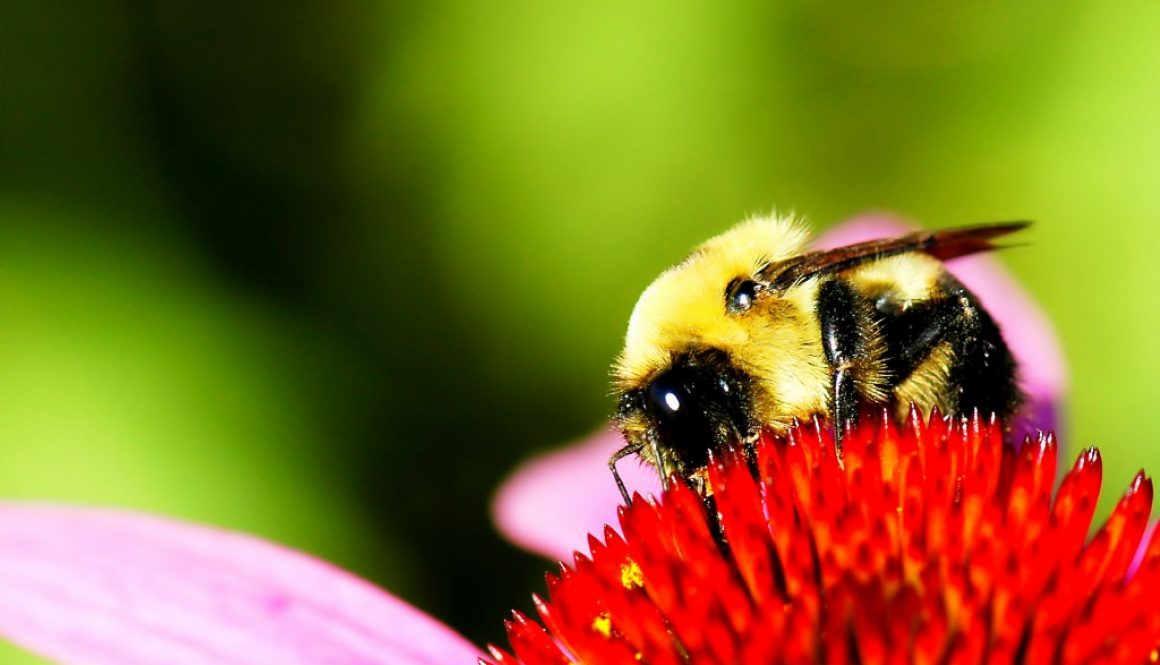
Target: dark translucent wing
[(943, 245)]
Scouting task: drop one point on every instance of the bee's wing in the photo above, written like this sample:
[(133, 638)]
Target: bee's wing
[(943, 245)]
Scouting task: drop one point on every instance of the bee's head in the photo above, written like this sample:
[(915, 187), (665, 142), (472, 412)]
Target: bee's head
[(697, 403), (708, 348)]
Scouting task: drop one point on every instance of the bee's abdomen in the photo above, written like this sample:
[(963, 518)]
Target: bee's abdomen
[(976, 369)]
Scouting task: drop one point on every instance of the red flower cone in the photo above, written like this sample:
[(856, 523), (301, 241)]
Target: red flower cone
[(924, 542)]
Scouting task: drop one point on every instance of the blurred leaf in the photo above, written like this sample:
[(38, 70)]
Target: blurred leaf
[(127, 378)]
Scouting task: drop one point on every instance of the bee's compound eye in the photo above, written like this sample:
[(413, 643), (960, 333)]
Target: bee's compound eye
[(667, 398), (685, 406), (740, 295)]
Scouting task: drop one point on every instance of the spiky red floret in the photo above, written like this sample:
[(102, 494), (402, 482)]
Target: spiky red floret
[(927, 542)]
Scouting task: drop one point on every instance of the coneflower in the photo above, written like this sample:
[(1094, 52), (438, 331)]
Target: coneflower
[(923, 542)]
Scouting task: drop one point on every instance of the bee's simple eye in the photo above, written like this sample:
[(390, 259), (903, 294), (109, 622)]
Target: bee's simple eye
[(740, 295)]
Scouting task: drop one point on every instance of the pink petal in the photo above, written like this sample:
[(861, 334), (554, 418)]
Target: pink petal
[(552, 502), (103, 587)]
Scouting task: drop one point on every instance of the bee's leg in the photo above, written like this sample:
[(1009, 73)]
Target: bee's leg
[(838, 313), (630, 449)]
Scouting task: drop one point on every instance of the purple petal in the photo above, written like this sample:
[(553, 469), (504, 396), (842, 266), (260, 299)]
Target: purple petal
[(102, 587), (552, 502)]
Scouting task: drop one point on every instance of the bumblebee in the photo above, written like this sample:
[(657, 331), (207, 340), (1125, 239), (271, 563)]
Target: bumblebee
[(752, 331)]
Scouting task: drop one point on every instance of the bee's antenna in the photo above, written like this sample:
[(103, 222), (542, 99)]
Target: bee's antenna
[(630, 449)]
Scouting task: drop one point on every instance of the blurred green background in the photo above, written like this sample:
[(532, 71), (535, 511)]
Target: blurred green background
[(325, 271)]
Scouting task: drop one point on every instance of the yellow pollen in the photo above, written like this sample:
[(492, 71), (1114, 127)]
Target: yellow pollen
[(603, 624), (631, 575), (1154, 656)]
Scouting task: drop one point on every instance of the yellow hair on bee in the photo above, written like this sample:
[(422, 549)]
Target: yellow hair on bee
[(927, 386), (779, 344), (908, 278)]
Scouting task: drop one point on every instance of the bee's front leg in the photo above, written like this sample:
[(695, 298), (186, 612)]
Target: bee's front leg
[(630, 449)]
